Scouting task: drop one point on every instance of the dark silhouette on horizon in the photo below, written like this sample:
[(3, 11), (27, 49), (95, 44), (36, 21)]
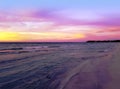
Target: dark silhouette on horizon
[(89, 41), (96, 41)]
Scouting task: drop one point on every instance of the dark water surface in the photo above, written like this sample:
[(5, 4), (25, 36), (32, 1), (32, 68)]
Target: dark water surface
[(44, 66)]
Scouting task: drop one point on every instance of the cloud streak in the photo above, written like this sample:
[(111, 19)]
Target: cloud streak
[(55, 22)]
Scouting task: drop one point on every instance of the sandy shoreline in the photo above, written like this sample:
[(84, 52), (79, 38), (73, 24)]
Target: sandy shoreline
[(96, 74), (73, 66)]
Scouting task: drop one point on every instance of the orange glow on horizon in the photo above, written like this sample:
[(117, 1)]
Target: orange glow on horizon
[(10, 37), (35, 36)]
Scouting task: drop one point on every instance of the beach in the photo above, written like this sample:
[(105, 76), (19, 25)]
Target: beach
[(60, 66)]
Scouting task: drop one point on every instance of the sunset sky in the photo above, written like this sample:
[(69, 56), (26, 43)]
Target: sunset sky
[(59, 20)]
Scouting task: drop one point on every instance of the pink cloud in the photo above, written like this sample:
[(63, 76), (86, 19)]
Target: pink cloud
[(59, 19), (96, 37), (110, 29), (106, 24), (108, 21)]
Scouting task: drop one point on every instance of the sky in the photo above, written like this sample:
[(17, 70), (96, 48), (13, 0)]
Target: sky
[(59, 20)]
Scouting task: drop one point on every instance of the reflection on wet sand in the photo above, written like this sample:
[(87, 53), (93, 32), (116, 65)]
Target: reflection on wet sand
[(57, 66)]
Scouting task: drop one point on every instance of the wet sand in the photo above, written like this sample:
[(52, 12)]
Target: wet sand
[(96, 73), (60, 66)]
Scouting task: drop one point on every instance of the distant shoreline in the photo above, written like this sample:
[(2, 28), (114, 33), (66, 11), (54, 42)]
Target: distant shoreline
[(95, 41), (89, 41), (40, 42)]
